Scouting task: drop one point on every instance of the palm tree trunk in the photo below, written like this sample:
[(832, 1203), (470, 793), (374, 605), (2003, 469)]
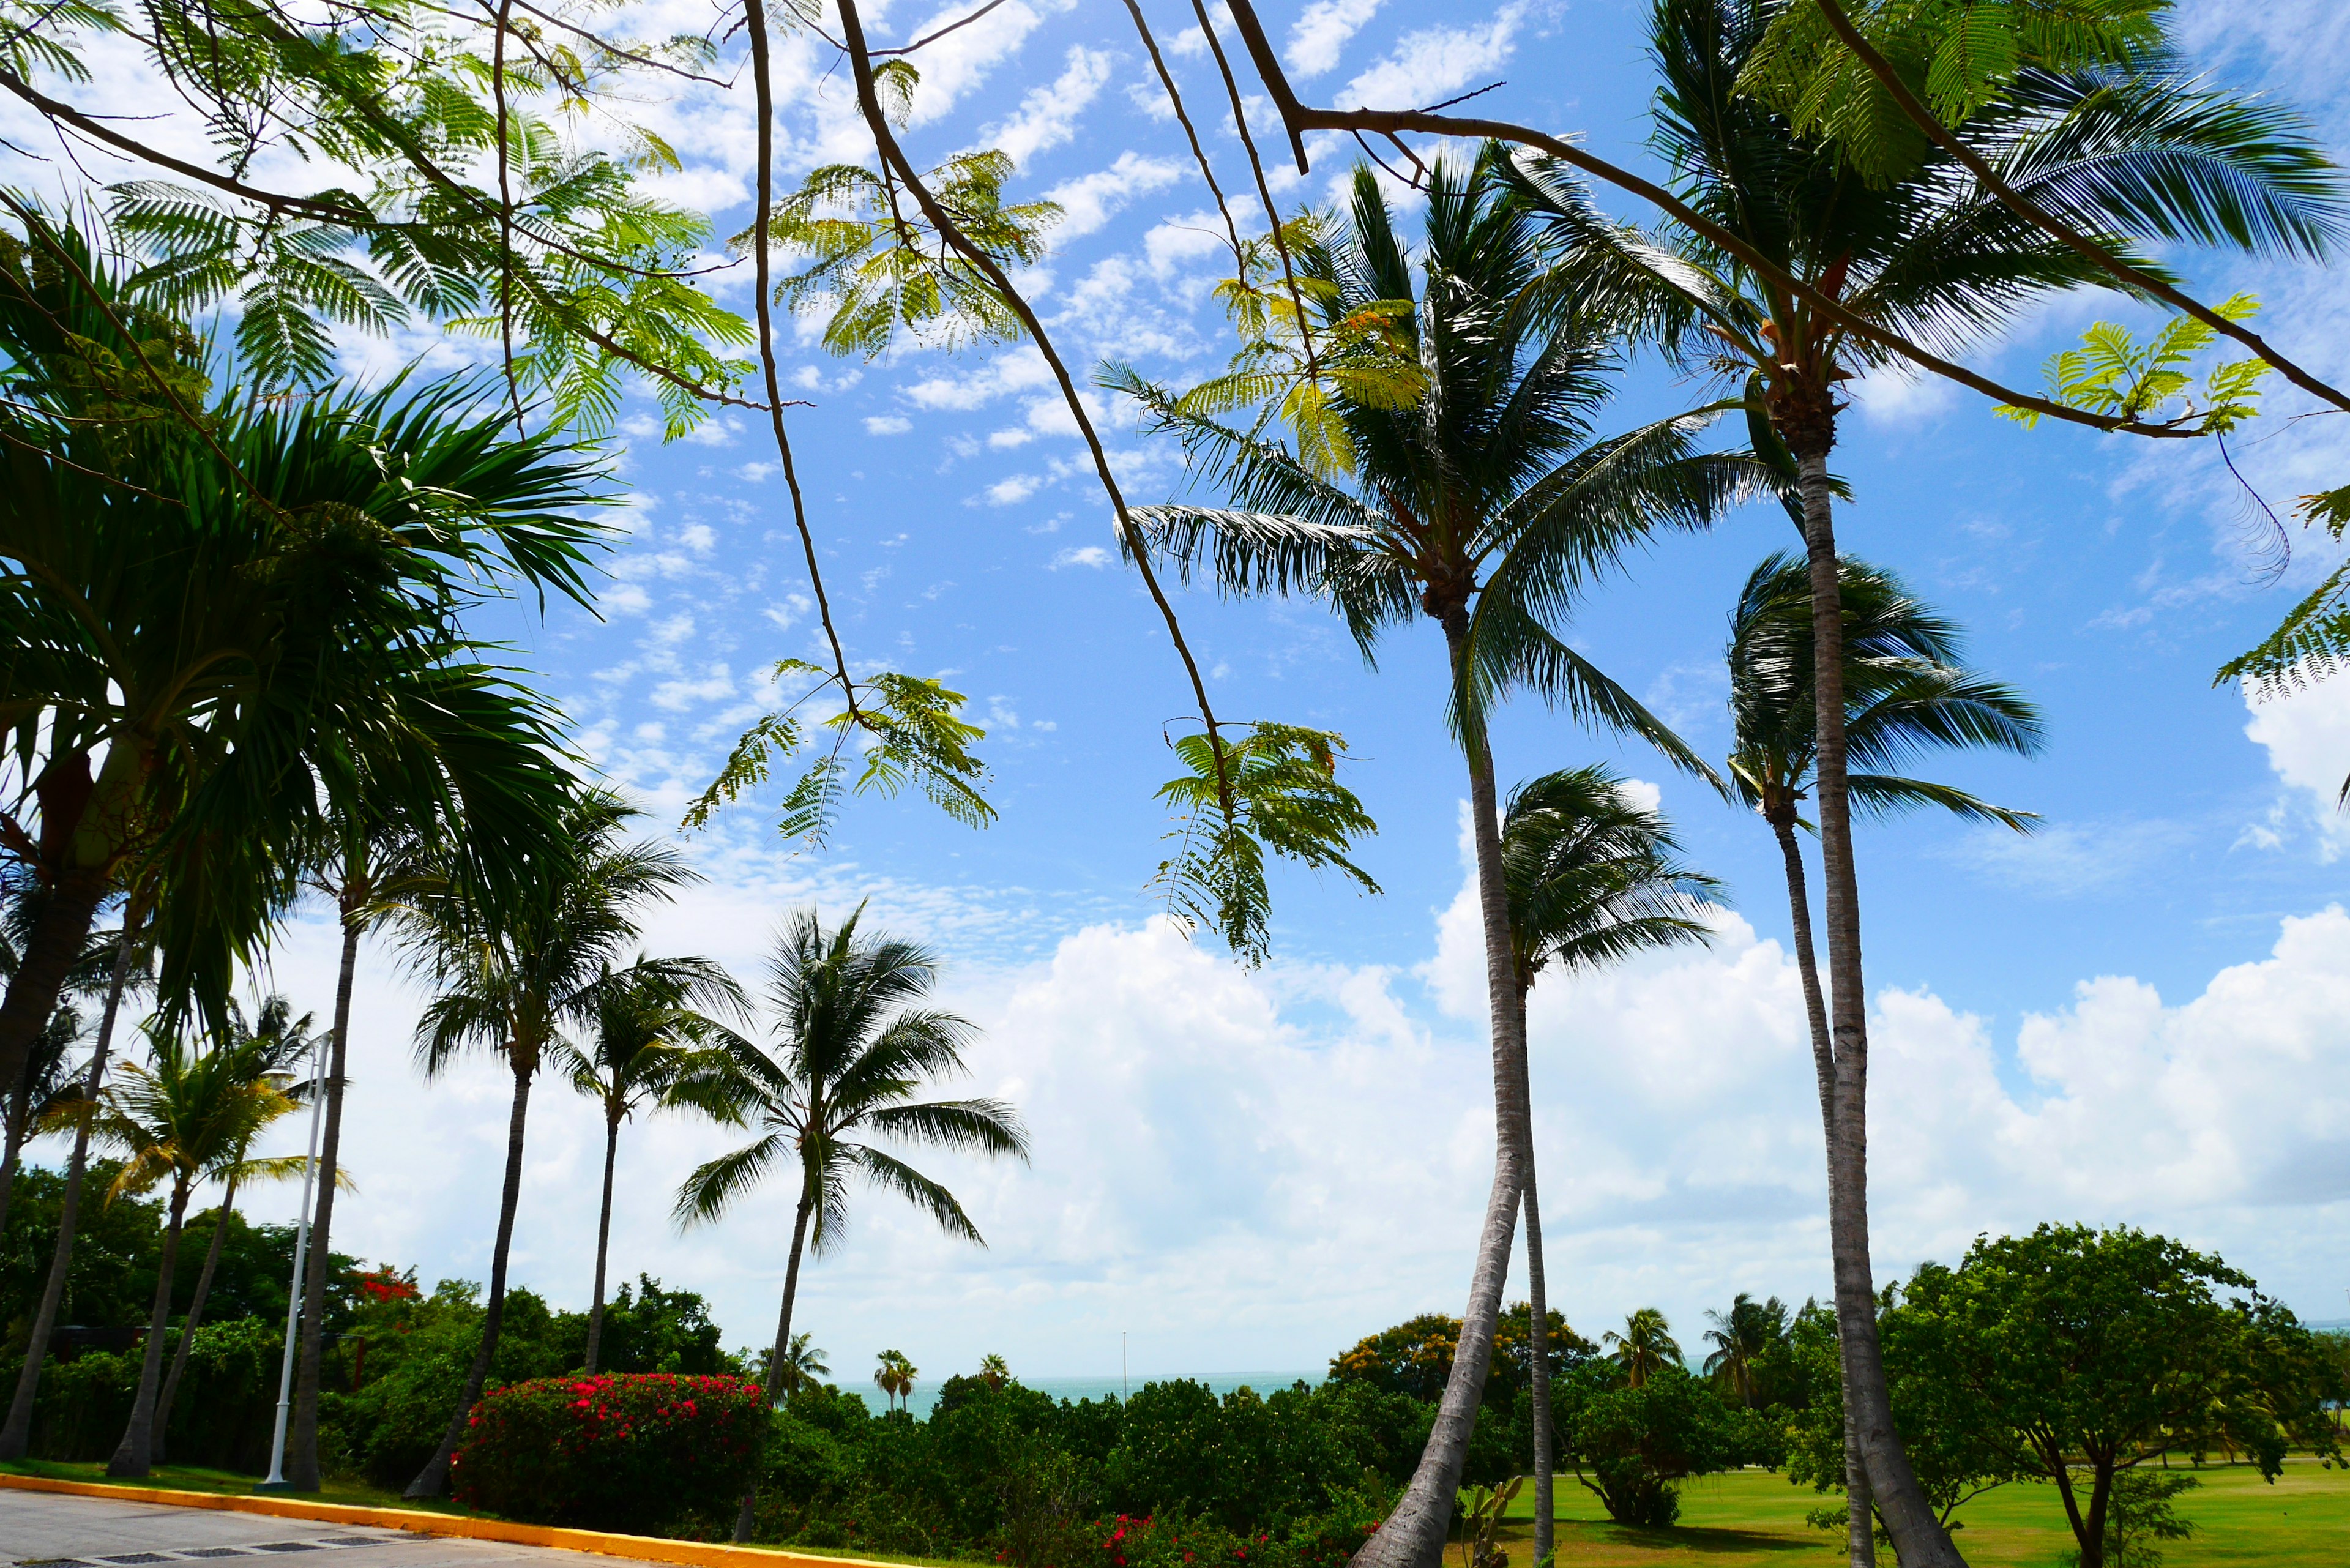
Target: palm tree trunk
[(195, 1317), (1413, 1535), (17, 1434), (603, 1239), (1918, 1537), (434, 1476), (1538, 1339), (60, 931), (133, 1456), (16, 1117), (1860, 1518), (778, 1373), (302, 1451)]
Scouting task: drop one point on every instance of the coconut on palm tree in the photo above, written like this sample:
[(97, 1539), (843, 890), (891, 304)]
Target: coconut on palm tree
[(1593, 879), (2127, 148), (1480, 495), (855, 1043), (513, 971), (1645, 1347), (649, 1048), (188, 1116), (1741, 1338)]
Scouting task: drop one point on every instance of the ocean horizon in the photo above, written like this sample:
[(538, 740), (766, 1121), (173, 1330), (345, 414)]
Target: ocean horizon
[(926, 1390)]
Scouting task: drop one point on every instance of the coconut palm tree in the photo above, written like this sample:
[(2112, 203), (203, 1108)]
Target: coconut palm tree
[(276, 1043), (854, 1045), (187, 1116), (513, 972), (1645, 1348), (50, 1082), (894, 1377), (994, 1371), (1741, 1337), (1486, 500), (804, 1366), (2133, 148), (1591, 879), (647, 1048)]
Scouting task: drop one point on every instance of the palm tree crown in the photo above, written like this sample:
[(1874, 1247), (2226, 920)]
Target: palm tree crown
[(1741, 1337), (1645, 1347)]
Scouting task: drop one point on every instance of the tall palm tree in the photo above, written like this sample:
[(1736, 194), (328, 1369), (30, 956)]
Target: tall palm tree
[(894, 1377), (649, 1048), (512, 972), (1591, 879), (1645, 1347), (804, 1366), (1486, 501), (1741, 1337), (855, 1045), (2132, 147), (189, 1116), (50, 1082), (276, 1043)]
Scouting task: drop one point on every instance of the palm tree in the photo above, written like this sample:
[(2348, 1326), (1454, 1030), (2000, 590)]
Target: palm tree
[(856, 1044), (190, 1116), (894, 1377), (1592, 881), (994, 1371), (513, 972), (49, 1083), (649, 1048), (1485, 500), (804, 1366), (275, 1046), (1645, 1348), (2132, 147), (1741, 1337)]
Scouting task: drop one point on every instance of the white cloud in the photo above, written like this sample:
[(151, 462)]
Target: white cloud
[(676, 696), (1007, 492), (1006, 440), (1089, 200), (2059, 860), (2307, 735), (1092, 556), (1048, 116), (887, 424), (1017, 371), (1435, 61), (1321, 31)]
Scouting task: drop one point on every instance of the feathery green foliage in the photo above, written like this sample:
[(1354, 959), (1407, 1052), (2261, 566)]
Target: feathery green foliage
[(1592, 874), (2114, 372)]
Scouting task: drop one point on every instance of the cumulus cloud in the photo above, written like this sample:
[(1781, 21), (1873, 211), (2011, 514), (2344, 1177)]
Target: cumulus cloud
[(1321, 31), (2307, 736), (1435, 61), (1017, 370), (887, 424), (1089, 200), (1048, 116), (1092, 556)]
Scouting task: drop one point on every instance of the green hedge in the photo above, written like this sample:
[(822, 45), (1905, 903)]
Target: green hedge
[(634, 1452)]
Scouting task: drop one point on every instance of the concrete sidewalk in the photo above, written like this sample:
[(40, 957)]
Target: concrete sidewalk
[(100, 1532)]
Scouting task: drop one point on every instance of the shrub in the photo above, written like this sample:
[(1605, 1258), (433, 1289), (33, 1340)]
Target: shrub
[(1630, 1445), (631, 1452)]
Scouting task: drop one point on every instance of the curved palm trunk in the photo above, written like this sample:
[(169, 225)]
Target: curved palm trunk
[(17, 1116), (302, 1451), (603, 1240), (171, 1395), (1860, 1532), (60, 931), (133, 1456), (1413, 1535), (778, 1372), (17, 1435), (1918, 1537), (434, 1476)]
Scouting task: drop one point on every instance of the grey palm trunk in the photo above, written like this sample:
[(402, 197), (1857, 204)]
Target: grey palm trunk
[(134, 1456), (1860, 1520), (1538, 1343), (778, 1368), (1918, 1537), (302, 1446), (1415, 1530), (17, 1434), (158, 1447), (603, 1239), (434, 1479)]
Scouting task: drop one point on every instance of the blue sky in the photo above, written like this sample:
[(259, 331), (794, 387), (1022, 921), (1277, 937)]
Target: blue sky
[(2136, 1014)]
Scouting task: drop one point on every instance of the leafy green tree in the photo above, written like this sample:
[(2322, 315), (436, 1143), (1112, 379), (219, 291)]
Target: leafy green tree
[(1631, 1440), (855, 1043), (2095, 1350), (190, 1116), (1920, 253), (647, 1048), (512, 973), (1484, 500), (1592, 881)]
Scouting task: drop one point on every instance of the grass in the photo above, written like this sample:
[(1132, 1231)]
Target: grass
[(191, 1477), (1749, 1519)]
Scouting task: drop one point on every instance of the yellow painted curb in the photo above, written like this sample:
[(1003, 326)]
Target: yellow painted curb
[(643, 1548)]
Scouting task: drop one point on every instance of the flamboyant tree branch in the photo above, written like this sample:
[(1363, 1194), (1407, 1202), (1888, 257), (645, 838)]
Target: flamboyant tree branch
[(1199, 153)]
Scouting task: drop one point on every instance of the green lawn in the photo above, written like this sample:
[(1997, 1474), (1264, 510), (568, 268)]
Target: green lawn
[(1753, 1518)]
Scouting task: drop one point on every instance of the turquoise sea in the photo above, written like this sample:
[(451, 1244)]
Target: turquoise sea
[(926, 1390)]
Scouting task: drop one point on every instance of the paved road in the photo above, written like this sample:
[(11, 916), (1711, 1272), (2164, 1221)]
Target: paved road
[(62, 1531)]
